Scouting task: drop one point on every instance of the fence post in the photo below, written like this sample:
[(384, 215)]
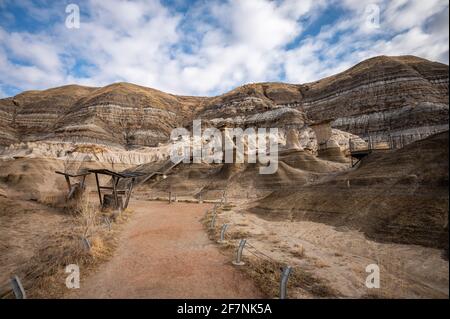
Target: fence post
[(283, 283), (108, 222), (213, 220), (17, 288), (238, 261), (222, 234), (86, 243)]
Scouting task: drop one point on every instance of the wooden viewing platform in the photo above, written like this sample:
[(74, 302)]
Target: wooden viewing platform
[(362, 147)]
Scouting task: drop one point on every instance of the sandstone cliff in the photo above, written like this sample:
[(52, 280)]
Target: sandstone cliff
[(120, 114), (383, 94)]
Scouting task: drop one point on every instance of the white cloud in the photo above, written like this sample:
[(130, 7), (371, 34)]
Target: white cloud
[(416, 33), (403, 15), (41, 65), (215, 45)]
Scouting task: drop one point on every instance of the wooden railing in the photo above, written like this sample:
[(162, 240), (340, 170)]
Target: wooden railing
[(382, 142)]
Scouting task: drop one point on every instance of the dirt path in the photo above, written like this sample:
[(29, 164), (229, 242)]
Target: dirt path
[(165, 253)]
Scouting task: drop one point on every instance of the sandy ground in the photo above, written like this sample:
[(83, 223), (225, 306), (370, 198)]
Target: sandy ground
[(340, 257), (164, 252), (21, 235)]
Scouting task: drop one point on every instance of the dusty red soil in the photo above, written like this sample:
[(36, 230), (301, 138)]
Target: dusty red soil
[(165, 253)]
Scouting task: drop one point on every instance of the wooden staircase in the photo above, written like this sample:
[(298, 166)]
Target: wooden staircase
[(166, 167)]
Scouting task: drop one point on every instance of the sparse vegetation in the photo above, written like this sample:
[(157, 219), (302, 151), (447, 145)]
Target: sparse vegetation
[(43, 275), (267, 273), (267, 276)]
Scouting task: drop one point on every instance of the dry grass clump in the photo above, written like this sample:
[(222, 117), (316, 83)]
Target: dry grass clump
[(214, 233), (43, 276), (304, 280), (54, 199), (227, 207), (267, 275), (298, 251), (59, 200), (206, 221), (237, 234)]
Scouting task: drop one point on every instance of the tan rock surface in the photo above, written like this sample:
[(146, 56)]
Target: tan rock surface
[(382, 94)]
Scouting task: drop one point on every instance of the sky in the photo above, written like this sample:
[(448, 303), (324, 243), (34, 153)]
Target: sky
[(207, 47)]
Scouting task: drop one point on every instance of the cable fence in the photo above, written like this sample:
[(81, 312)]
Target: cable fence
[(245, 245)]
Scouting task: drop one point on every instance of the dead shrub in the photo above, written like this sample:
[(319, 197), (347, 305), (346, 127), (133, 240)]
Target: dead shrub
[(267, 275)]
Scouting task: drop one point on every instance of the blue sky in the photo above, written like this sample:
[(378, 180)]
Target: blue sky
[(208, 47)]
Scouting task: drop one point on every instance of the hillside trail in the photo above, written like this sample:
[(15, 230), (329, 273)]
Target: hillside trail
[(164, 252)]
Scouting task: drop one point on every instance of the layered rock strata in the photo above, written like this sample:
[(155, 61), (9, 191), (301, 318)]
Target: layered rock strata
[(379, 96)]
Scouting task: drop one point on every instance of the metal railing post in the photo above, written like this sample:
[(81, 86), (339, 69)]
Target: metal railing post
[(283, 283), (222, 234), (213, 220), (17, 288), (86, 243), (238, 261)]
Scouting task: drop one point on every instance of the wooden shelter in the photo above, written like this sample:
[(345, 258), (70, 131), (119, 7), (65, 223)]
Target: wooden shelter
[(128, 178), (72, 187)]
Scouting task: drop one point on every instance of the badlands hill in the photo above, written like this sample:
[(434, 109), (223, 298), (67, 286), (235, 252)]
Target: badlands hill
[(395, 196), (382, 94), (316, 210), (120, 114)]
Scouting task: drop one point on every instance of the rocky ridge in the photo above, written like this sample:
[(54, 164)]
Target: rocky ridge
[(396, 95)]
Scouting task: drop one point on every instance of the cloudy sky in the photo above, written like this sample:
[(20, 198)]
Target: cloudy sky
[(208, 47)]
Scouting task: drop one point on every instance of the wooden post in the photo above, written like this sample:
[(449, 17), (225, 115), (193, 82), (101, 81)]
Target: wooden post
[(129, 193), (98, 190), (83, 180), (114, 182), (68, 182)]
